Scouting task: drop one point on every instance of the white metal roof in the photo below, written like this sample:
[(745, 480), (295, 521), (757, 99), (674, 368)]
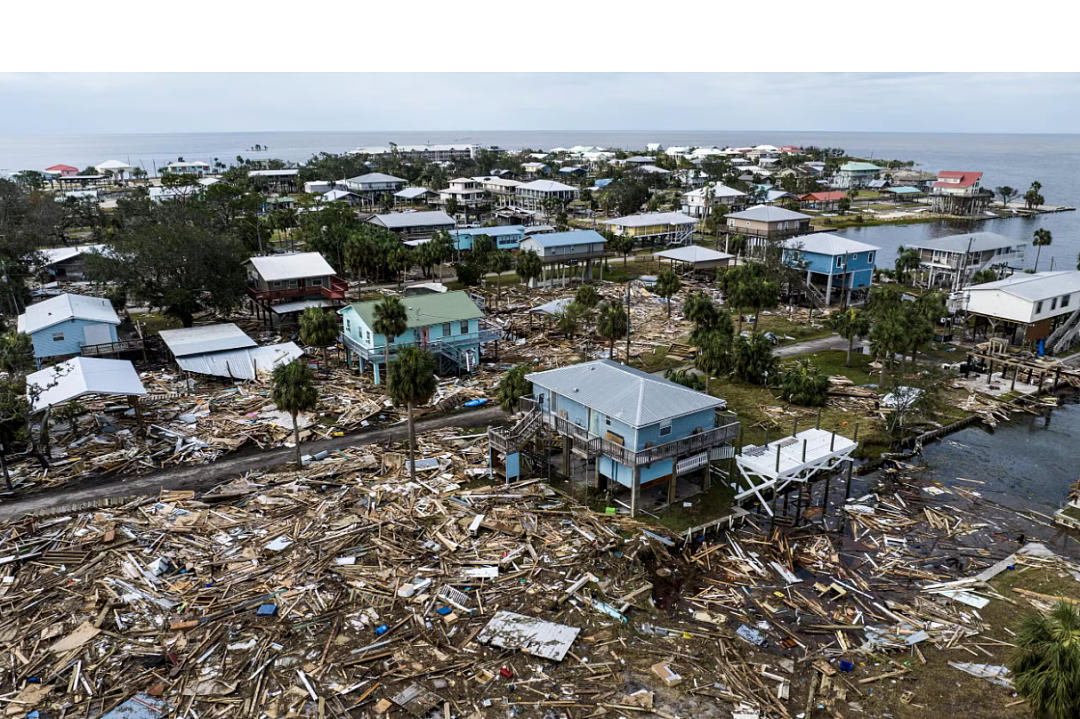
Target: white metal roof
[(826, 243), (979, 242), (65, 307), (652, 218), (1039, 286), (546, 186), (693, 254), (536, 637), (241, 363), (112, 165), (629, 395), (411, 192), (718, 192), (400, 220), (373, 177), (273, 173), (53, 255), (207, 338), (768, 213), (81, 376), (292, 266), (284, 308)]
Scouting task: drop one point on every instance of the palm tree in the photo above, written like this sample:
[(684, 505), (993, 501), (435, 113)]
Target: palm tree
[(1007, 194), (849, 324), (667, 286), (714, 352), (513, 386), (1045, 665), (293, 391), (412, 382), (611, 325), (499, 263), (318, 328), (587, 296), (1041, 238), (391, 320), (906, 262), (804, 383), (529, 266)]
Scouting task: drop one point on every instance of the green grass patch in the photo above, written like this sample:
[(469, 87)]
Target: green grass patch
[(657, 361), (154, 322), (705, 507), (785, 327)]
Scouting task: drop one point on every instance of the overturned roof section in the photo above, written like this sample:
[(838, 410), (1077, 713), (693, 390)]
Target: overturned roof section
[(293, 266), (208, 338), (241, 363), (53, 255), (81, 376), (66, 307), (629, 395)]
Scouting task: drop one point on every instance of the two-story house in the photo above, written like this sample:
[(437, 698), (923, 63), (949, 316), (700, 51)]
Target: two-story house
[(534, 195), (560, 251), (767, 222), (959, 193), (950, 262), (374, 185), (708, 198), (188, 168), (500, 190), (279, 285), (641, 429), (466, 191), (449, 324), (836, 263), (855, 174), (62, 326)]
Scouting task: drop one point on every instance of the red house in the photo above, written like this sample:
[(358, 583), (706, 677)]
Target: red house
[(821, 200), (63, 170)]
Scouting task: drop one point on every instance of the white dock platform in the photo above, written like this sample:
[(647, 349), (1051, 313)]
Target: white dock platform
[(789, 460)]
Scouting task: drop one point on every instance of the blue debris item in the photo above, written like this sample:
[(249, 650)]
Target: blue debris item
[(139, 706), (443, 611), (266, 610), (751, 635), (846, 666), (476, 402), (381, 629)]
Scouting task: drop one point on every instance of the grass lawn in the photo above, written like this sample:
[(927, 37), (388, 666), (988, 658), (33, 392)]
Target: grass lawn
[(155, 322), (944, 692), (786, 327), (839, 223), (704, 507), (657, 361)]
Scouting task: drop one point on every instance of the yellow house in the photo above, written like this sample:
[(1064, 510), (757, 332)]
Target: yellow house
[(667, 227)]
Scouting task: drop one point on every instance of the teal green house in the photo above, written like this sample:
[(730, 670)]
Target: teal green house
[(449, 325)]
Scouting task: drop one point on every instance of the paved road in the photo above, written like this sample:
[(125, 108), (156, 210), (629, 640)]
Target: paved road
[(204, 476), (832, 342)]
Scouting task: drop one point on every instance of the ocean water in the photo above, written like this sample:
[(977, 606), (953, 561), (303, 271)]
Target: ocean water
[(1016, 160)]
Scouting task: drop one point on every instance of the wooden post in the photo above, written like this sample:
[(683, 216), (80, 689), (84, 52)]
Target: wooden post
[(794, 426), (798, 503), (777, 459), (1015, 375), (818, 426), (804, 451), (856, 437), (847, 490), (635, 488)]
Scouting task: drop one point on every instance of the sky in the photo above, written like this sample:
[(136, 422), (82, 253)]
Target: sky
[(36, 104)]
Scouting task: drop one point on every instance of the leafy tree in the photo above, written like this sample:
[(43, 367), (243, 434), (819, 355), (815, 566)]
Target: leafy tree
[(568, 321), (622, 244), (1045, 664), (667, 286), (1007, 194), (715, 350), (329, 230), (1041, 239), (983, 276), (468, 273), (889, 324), (702, 311), (391, 320), (169, 255), (117, 297), (28, 220), (386, 202), (843, 205), (319, 328), (16, 353), (31, 178), (849, 324), (737, 245), (748, 287), (587, 296), (412, 382), (687, 379), (924, 314), (293, 391), (452, 206), (529, 266), (753, 360), (906, 262), (805, 384), (513, 386), (611, 324)]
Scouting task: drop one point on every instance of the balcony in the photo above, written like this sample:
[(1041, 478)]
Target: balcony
[(112, 348), (441, 345), (335, 291), (802, 229)]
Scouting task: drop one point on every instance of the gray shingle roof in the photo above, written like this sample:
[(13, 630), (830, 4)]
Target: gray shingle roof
[(637, 398)]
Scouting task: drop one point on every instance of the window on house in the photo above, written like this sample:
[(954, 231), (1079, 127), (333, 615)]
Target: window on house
[(465, 327), (855, 256), (276, 284), (446, 329), (870, 257), (665, 429), (1053, 304), (315, 282), (347, 327), (58, 337), (839, 262), (1065, 300), (389, 339), (368, 335), (1038, 307)]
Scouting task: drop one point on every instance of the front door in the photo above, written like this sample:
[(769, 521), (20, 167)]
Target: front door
[(423, 336)]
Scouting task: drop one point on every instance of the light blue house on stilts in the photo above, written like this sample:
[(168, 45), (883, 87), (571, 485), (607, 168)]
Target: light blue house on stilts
[(449, 325), (841, 267)]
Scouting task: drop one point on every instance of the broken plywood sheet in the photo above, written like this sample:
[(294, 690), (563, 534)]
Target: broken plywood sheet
[(529, 634), (82, 634)]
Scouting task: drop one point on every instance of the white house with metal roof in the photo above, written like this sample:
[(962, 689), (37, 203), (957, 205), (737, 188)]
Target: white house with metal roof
[(641, 429), (374, 184), (561, 251), (63, 325), (533, 195), (697, 202), (950, 262), (413, 225), (288, 283), (1029, 308)]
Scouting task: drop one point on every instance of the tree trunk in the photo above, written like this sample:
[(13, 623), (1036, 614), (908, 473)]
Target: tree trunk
[(611, 348), (1038, 251), (498, 290), (668, 307), (739, 310), (850, 346), (756, 313), (708, 380), (412, 446), (296, 440)]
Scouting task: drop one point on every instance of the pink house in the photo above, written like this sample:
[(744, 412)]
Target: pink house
[(63, 170)]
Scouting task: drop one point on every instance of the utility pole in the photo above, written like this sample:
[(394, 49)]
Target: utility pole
[(627, 323)]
